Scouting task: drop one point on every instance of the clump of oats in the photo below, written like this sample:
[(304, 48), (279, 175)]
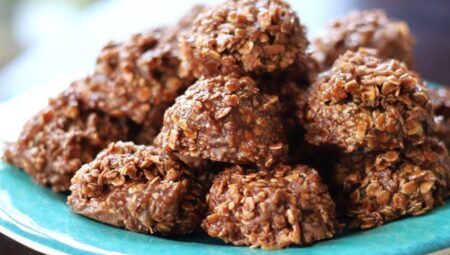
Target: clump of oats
[(141, 77), (138, 188), (370, 28), (380, 187), (364, 102), (246, 36), (226, 119), (270, 209), (60, 138)]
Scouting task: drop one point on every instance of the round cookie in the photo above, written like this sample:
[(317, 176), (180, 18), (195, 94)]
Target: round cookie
[(226, 119), (138, 188), (285, 206)]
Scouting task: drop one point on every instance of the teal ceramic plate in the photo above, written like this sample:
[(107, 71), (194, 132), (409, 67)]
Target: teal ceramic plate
[(40, 219)]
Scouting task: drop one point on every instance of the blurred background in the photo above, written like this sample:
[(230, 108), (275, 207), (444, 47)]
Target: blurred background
[(41, 40)]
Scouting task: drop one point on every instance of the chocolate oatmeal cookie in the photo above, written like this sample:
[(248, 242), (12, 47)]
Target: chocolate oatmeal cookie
[(244, 37), (140, 77), (370, 29), (270, 209), (59, 139), (225, 119), (381, 187), (138, 188), (364, 102)]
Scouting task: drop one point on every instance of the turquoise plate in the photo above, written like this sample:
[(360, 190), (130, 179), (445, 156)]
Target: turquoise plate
[(40, 219)]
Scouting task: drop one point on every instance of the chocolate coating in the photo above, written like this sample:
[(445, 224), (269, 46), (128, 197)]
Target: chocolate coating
[(364, 102), (270, 209), (61, 138), (140, 77), (244, 37), (138, 188), (377, 188), (371, 29), (226, 119)]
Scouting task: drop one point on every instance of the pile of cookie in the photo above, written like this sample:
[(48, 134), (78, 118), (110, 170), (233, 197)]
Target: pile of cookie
[(231, 122)]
